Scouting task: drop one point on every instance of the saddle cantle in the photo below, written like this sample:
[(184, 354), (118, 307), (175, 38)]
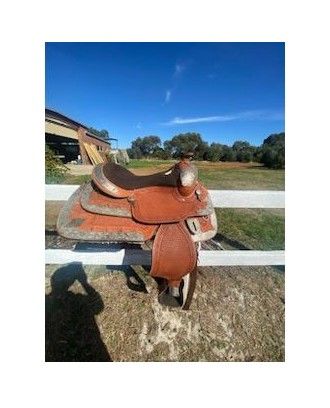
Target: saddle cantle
[(171, 208)]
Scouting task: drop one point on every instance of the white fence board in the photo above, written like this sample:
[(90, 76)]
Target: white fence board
[(220, 198), (141, 257), (58, 192), (247, 199)]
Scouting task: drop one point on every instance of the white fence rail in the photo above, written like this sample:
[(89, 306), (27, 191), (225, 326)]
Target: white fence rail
[(220, 198), (114, 255), (140, 257)]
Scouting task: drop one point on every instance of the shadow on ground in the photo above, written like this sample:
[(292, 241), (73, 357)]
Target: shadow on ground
[(72, 333)]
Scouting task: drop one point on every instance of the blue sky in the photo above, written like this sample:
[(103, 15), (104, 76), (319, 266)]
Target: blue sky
[(224, 91)]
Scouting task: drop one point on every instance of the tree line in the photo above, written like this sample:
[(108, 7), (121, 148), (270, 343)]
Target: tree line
[(271, 153)]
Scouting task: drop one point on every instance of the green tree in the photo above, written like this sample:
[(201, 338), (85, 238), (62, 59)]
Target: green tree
[(103, 134), (275, 139), (134, 153), (244, 151), (257, 154), (241, 145), (214, 152), (161, 153), (168, 148), (273, 151), (228, 154), (187, 142), (244, 156), (146, 145)]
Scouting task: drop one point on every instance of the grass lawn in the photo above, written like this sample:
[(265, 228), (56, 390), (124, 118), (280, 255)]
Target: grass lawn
[(243, 179), (259, 229)]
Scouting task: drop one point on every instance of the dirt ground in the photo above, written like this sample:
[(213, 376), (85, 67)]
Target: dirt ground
[(80, 169), (237, 314)]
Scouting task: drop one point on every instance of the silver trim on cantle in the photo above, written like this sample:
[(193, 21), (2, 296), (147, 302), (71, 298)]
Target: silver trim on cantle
[(188, 176)]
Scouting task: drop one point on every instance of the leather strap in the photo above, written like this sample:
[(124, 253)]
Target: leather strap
[(174, 253)]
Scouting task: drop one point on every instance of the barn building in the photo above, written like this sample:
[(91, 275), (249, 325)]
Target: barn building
[(71, 140)]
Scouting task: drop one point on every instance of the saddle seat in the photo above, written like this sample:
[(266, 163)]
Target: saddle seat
[(119, 182), (123, 178)]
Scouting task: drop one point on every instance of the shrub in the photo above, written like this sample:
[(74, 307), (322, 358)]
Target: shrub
[(54, 169)]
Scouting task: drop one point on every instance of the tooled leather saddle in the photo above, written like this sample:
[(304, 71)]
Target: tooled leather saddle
[(171, 209)]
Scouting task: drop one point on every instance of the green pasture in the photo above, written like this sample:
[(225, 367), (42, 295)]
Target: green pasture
[(259, 229), (257, 178)]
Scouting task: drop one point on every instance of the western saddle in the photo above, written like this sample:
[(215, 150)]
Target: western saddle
[(171, 210)]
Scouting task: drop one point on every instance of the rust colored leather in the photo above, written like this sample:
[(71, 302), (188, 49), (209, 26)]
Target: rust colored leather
[(165, 205), (205, 223), (99, 198), (174, 254), (155, 205), (76, 223), (105, 223), (186, 191), (94, 200)]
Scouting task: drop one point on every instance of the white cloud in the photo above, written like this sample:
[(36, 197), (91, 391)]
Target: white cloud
[(246, 115), (168, 95), (182, 121), (179, 68)]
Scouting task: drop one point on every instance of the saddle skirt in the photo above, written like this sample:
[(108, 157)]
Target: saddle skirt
[(89, 214)]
